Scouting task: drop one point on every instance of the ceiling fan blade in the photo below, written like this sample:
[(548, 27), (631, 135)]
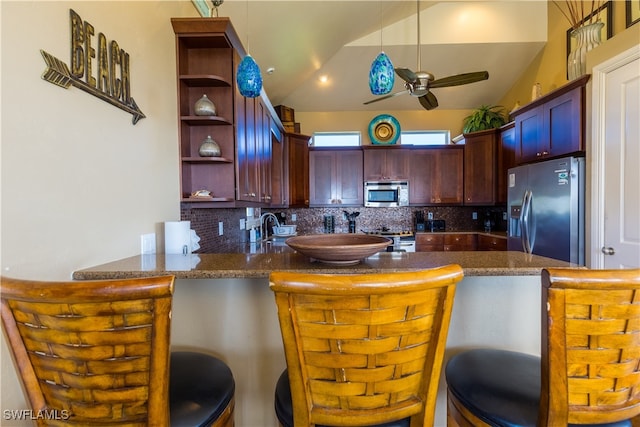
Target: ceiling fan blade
[(406, 74), (386, 97), (460, 79), (428, 101)]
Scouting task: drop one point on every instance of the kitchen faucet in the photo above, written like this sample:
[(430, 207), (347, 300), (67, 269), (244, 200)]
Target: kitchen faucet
[(263, 222)]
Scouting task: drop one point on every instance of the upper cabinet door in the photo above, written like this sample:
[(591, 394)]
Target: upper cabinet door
[(552, 126), (480, 154), (385, 164), (322, 178), (298, 169), (563, 124), (336, 178), (435, 176), (529, 135)]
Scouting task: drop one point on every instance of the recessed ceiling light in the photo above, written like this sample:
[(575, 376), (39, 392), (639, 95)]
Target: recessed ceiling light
[(270, 70), (323, 79)]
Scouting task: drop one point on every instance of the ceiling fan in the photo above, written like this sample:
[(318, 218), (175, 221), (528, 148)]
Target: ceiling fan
[(419, 83)]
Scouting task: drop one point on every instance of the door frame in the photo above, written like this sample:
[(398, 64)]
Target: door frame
[(595, 259)]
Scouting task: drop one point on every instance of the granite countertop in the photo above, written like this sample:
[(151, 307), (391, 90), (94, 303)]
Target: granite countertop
[(260, 265)]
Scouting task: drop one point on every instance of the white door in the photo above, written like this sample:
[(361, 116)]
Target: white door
[(616, 170)]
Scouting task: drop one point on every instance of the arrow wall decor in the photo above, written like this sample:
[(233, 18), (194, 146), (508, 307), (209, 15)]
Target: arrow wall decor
[(112, 81)]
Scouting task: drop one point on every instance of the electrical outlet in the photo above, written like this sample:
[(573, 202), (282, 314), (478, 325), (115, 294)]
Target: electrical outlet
[(430, 215), (474, 215), (504, 216), (243, 224), (294, 217), (220, 228), (148, 243)]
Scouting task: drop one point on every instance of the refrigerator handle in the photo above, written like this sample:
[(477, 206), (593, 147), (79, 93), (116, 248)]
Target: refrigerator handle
[(525, 218), (521, 220)]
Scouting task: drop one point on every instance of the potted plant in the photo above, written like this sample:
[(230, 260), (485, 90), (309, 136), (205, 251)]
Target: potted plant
[(483, 118)]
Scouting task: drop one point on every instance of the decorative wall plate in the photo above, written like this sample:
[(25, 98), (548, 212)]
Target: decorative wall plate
[(384, 130)]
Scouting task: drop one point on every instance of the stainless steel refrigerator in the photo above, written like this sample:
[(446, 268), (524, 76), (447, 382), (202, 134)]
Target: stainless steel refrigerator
[(546, 209)]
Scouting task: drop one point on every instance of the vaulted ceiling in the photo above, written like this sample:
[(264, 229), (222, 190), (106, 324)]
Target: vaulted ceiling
[(296, 42)]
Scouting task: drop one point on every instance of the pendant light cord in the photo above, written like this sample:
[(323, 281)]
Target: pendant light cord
[(381, 23), (247, 27), (418, 16)]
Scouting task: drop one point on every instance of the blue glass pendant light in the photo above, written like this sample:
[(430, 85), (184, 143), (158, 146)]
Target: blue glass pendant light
[(248, 75), (381, 76), (248, 78)]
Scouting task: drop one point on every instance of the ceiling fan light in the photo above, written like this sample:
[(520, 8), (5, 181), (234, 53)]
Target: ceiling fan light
[(381, 75), (248, 78)]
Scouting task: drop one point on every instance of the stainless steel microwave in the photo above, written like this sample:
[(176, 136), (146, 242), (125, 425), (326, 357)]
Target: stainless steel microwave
[(386, 194)]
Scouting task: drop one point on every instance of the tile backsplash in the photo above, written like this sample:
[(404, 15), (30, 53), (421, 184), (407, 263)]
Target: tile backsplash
[(311, 221)]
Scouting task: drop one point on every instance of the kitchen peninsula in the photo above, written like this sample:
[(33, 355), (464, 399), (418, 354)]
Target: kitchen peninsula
[(222, 303)]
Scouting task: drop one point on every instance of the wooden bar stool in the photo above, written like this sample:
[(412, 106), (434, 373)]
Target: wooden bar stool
[(362, 349), (97, 352), (589, 370)]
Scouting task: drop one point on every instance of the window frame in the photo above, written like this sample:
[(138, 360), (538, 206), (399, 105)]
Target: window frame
[(337, 134), (446, 137)]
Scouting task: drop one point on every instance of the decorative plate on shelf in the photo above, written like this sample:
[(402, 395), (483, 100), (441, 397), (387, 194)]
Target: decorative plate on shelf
[(384, 130)]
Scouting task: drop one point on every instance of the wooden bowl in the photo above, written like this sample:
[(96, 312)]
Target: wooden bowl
[(341, 249)]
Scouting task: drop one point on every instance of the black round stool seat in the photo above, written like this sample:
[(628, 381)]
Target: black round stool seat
[(500, 387), (284, 406), (200, 388)]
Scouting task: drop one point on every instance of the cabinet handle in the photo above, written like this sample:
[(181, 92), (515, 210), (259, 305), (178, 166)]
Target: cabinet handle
[(545, 153), (249, 194)]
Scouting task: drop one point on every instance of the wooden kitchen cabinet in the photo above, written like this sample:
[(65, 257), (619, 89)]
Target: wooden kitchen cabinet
[(460, 242), (278, 174), (433, 242), (506, 160), (263, 137), (336, 177), (488, 155), (291, 171), (208, 52), (426, 242), (480, 167), (429, 242), (297, 147), (247, 177), (385, 163), (552, 126), (491, 243), (205, 66), (436, 176), (254, 147)]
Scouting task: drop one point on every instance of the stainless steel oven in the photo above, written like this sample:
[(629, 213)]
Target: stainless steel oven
[(403, 240), (386, 194)]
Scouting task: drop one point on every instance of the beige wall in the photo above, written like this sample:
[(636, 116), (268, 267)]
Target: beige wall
[(359, 121), (80, 183), (549, 67)]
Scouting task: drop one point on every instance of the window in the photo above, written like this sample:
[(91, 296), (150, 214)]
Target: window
[(425, 137), (336, 139)]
